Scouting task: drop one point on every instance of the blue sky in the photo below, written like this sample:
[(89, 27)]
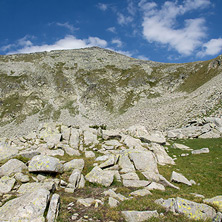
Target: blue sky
[(163, 31)]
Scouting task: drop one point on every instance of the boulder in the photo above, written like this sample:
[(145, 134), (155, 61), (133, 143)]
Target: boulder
[(11, 167), (145, 136), (200, 151), (28, 207), (141, 192), (7, 151), (112, 194), (66, 132), (71, 151), (217, 201), (75, 177), (139, 216), (89, 154), (181, 146), (211, 134), (53, 210), (97, 175), (111, 134), (130, 176), (47, 164), (125, 164), (89, 137), (155, 186), (110, 162), (30, 187), (135, 183), (179, 178), (132, 143), (74, 164), (161, 155), (191, 209), (74, 138), (22, 177), (6, 184)]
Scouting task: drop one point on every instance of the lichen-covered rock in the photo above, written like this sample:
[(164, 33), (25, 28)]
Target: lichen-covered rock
[(191, 209), (139, 216), (28, 207), (217, 201), (97, 175), (48, 164), (6, 184)]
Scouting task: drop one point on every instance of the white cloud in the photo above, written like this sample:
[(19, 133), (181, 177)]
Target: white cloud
[(69, 42), (123, 20), (112, 29), (102, 6), (213, 47), (160, 25), (117, 42), (131, 8), (70, 27), (142, 57)]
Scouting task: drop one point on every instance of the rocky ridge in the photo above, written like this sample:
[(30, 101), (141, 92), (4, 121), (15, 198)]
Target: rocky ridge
[(58, 159)]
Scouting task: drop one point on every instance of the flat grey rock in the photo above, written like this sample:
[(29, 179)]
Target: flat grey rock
[(139, 216), (97, 175), (11, 167), (179, 178), (181, 146), (135, 183), (53, 210), (42, 163), (30, 187), (6, 184), (74, 164), (200, 151), (28, 207)]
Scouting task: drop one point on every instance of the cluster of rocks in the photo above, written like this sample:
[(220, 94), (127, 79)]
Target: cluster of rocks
[(28, 191), (209, 127)]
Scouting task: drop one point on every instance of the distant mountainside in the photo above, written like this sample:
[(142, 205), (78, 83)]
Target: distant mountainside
[(99, 86)]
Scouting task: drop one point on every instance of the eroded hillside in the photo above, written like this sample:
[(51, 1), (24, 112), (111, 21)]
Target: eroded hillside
[(103, 87)]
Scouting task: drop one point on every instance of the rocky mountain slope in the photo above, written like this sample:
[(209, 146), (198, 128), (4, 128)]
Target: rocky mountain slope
[(99, 86)]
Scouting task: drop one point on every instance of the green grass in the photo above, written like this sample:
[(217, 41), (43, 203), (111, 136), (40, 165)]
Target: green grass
[(205, 169)]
